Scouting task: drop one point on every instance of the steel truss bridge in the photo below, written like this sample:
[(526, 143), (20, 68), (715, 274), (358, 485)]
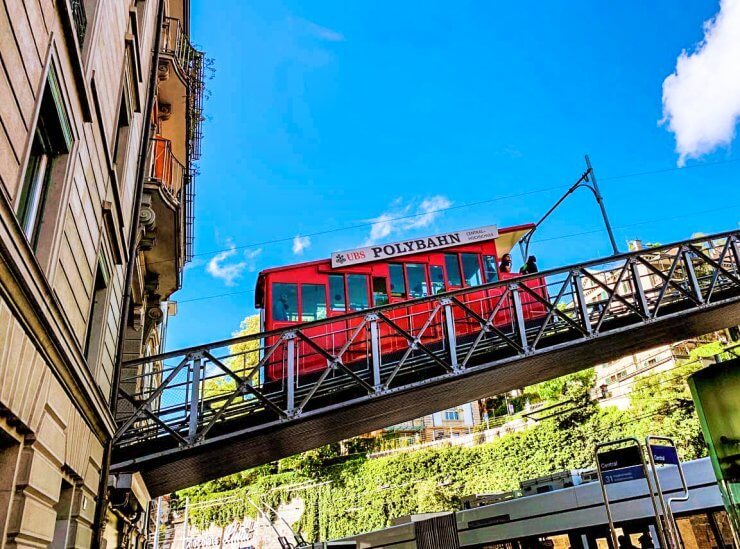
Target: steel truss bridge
[(195, 414)]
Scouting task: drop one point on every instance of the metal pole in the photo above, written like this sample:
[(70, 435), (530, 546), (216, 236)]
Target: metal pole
[(375, 348), (156, 522), (600, 200), (658, 523), (519, 317), (187, 517), (194, 398), (582, 303), (450, 333), (290, 378), (670, 520)]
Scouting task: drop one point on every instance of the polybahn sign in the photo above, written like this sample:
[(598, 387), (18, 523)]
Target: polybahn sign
[(407, 247)]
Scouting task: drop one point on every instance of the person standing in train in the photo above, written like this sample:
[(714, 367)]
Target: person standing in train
[(530, 267), (505, 265)]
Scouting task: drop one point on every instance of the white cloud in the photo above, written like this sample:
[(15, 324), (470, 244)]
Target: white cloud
[(403, 217), (218, 267), (701, 99), (314, 30), (300, 243)]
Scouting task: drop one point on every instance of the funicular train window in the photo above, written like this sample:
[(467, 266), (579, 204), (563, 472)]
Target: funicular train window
[(453, 270), (357, 292), (437, 275), (313, 302), (380, 291), (489, 268), (417, 277), (398, 283), (336, 293), (285, 302), (471, 269)]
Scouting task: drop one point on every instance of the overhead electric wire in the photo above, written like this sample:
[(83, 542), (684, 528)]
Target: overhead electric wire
[(439, 210), (549, 239)]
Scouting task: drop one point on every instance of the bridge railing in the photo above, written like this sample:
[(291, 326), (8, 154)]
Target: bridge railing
[(184, 397)]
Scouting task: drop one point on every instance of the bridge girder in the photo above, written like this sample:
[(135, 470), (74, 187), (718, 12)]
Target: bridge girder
[(652, 297)]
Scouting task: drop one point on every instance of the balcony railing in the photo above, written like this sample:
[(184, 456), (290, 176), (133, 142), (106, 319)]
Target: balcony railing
[(176, 180), (166, 169), (80, 19), (189, 63)]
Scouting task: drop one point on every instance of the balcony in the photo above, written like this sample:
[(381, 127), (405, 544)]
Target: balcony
[(167, 242), (166, 169), (181, 84)]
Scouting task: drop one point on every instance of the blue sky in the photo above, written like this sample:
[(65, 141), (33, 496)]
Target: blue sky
[(324, 115)]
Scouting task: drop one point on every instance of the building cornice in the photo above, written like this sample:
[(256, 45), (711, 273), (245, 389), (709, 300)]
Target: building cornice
[(35, 305)]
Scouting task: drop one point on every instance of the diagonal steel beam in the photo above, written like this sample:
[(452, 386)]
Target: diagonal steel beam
[(547, 305), (411, 347), (244, 385), (614, 292), (718, 268), (148, 412), (421, 346), (158, 391), (618, 297), (336, 361), (667, 282), (552, 310), (488, 323)]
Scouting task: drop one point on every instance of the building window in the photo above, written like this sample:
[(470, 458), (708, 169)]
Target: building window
[(52, 142), (63, 509), (9, 449), (96, 323), (121, 139), (452, 415)]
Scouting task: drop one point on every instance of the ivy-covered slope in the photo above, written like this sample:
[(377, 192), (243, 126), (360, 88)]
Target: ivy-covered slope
[(359, 494)]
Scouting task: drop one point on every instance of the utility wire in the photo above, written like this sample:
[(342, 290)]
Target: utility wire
[(439, 210), (550, 239)]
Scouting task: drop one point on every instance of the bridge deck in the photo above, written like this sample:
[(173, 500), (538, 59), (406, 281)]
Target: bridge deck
[(651, 297)]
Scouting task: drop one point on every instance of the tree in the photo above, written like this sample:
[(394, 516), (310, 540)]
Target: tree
[(556, 389), (243, 357)]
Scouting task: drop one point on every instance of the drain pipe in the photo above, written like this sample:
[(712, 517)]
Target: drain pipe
[(146, 135)]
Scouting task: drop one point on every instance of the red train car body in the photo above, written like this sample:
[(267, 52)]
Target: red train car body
[(385, 274)]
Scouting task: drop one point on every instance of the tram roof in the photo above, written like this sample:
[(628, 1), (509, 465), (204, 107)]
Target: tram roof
[(505, 241)]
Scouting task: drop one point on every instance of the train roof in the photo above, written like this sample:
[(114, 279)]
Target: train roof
[(505, 238), (505, 241)]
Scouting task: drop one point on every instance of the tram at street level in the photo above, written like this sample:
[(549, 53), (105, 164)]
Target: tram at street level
[(575, 517), (383, 274)]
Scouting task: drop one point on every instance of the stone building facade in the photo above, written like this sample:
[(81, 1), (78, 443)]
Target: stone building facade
[(99, 129)]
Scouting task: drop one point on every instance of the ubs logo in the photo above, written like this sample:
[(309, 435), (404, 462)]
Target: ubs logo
[(341, 259)]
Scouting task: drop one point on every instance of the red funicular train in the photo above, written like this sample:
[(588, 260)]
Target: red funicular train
[(384, 274)]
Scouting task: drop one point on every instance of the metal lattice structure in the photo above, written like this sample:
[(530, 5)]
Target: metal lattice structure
[(198, 413)]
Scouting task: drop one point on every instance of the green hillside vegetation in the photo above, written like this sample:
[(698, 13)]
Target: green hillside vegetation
[(348, 495)]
